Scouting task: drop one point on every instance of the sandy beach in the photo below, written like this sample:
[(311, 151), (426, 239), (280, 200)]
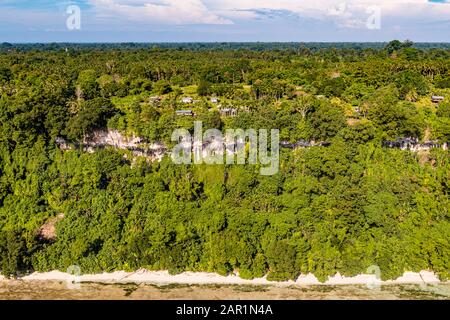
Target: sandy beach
[(150, 285), (60, 290), (202, 278)]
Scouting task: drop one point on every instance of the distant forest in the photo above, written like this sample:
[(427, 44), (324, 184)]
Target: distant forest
[(255, 46), (343, 206)]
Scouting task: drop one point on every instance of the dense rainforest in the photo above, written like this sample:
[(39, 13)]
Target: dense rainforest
[(343, 207)]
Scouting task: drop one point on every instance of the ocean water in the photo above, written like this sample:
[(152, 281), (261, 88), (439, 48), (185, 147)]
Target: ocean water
[(59, 290)]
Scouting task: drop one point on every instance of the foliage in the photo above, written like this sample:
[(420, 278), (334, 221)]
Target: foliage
[(338, 208)]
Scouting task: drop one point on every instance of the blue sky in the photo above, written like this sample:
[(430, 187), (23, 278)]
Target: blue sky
[(226, 20)]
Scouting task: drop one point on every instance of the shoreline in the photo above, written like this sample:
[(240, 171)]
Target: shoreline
[(202, 278)]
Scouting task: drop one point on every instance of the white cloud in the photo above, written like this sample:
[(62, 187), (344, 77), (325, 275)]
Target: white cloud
[(159, 11), (347, 13), (344, 13)]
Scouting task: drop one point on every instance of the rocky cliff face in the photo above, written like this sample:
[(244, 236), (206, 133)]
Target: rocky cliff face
[(112, 138), (413, 144), (101, 139), (141, 147)]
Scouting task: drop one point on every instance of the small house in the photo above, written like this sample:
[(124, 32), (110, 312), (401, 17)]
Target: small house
[(185, 113), (228, 112), (437, 99), (187, 100), (214, 100)]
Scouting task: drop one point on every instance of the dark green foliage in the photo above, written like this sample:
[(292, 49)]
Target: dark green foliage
[(442, 82), (204, 88), (409, 81), (400, 119), (13, 253), (443, 110), (5, 74), (281, 257), (397, 45), (162, 87), (87, 84), (92, 115), (339, 208), (327, 121)]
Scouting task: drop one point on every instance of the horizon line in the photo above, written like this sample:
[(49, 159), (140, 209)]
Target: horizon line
[(212, 42)]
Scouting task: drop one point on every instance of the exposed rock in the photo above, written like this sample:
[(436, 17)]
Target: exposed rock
[(413, 144), (304, 144), (62, 144), (48, 230), (113, 138)]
